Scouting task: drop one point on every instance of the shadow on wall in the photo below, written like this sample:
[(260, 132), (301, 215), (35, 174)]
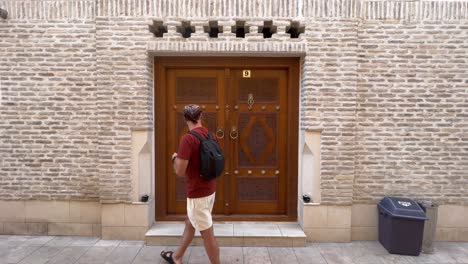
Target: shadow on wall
[(142, 182), (311, 166), (3, 13), (144, 164)]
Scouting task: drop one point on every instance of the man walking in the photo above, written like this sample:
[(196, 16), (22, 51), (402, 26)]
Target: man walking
[(200, 192)]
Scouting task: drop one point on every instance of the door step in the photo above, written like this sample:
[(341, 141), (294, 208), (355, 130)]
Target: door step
[(235, 234)]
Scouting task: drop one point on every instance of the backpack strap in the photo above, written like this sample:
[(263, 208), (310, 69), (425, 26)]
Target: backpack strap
[(197, 136), (210, 136)]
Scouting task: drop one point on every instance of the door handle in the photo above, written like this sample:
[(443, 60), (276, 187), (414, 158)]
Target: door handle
[(234, 134), (220, 133)]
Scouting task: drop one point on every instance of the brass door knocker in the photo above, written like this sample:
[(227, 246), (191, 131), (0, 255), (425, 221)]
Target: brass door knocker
[(234, 134), (220, 133), (250, 101)]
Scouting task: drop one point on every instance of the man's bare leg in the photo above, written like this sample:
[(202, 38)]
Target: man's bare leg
[(211, 245), (187, 238)]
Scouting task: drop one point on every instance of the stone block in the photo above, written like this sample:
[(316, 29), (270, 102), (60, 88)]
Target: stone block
[(47, 211), (452, 216), (136, 215), (364, 233), (165, 241), (267, 241), (97, 232), (315, 216), (328, 234), (339, 217), (124, 232), (70, 229), (12, 211), (113, 215), (364, 215), (85, 212), (15, 228), (451, 234), (37, 229)]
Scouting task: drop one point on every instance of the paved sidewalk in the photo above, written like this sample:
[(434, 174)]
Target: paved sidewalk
[(89, 250)]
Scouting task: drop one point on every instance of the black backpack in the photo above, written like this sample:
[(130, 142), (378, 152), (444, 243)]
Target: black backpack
[(211, 157)]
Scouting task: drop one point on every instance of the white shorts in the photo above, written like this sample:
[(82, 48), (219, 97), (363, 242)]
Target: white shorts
[(199, 211)]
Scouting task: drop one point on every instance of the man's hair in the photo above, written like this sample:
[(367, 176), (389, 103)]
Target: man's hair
[(192, 113)]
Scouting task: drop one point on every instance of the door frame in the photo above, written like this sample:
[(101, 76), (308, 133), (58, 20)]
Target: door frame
[(161, 107)]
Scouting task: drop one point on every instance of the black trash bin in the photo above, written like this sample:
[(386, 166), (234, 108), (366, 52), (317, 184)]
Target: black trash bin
[(401, 225)]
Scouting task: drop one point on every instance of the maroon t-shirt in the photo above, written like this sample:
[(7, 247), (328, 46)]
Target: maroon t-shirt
[(189, 149)]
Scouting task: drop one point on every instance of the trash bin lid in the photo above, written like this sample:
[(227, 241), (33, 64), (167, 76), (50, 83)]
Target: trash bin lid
[(403, 208)]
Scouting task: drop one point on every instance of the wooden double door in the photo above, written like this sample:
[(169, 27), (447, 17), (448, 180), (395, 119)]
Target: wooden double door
[(248, 104)]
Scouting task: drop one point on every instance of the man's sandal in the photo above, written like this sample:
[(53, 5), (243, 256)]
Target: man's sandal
[(167, 256)]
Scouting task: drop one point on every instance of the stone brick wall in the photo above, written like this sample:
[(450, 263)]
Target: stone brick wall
[(124, 99), (384, 82), (412, 115), (48, 121), (329, 102)]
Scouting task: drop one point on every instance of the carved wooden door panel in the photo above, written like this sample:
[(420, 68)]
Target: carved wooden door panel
[(258, 139), (256, 116), (204, 87)]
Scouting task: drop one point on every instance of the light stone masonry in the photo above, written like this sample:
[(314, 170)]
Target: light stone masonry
[(412, 113), (385, 83)]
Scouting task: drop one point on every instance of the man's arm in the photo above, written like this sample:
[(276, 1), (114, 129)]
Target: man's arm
[(180, 165)]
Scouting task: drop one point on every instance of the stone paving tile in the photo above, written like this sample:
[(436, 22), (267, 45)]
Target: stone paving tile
[(123, 255), (17, 253), (338, 253), (107, 243), (21, 238), (69, 255), (243, 229), (198, 256), (231, 255), (39, 240), (282, 255), (95, 255), (366, 259), (256, 255), (186, 255), (336, 258), (309, 255), (10, 244), (42, 255), (88, 250), (85, 241), (437, 257), (15, 241), (392, 259), (149, 254), (61, 241), (372, 246), (132, 243), (449, 251), (372, 253)]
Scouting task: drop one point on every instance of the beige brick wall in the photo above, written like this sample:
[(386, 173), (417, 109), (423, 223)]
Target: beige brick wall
[(384, 82), (124, 99), (48, 110), (329, 102), (412, 115)]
